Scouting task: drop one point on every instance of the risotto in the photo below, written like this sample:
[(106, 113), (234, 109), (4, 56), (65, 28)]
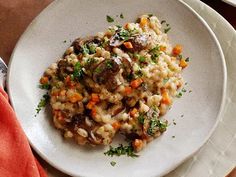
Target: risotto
[(122, 80)]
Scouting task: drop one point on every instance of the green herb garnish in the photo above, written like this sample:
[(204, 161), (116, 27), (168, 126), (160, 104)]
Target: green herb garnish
[(109, 19), (163, 21), (85, 50), (173, 136), (154, 123), (179, 95), (42, 103), (45, 86), (165, 80), (121, 150), (113, 163), (166, 30), (78, 72), (121, 15), (155, 53), (109, 64), (142, 59), (187, 59), (141, 118)]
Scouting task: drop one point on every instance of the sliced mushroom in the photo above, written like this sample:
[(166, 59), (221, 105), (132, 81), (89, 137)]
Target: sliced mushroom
[(80, 42), (126, 65), (64, 68), (105, 73), (139, 42), (116, 109)]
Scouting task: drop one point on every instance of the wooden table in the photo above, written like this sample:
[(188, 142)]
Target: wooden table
[(16, 15)]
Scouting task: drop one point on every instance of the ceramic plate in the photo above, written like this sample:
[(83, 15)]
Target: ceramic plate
[(43, 43)]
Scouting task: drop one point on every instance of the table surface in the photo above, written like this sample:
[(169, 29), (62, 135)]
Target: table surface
[(13, 23)]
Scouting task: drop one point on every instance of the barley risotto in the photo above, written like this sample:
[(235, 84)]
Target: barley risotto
[(120, 81)]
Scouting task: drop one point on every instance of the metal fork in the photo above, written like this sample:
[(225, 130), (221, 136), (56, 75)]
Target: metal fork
[(3, 73)]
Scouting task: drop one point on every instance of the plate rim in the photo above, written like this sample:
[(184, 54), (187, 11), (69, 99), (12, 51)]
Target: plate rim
[(223, 94)]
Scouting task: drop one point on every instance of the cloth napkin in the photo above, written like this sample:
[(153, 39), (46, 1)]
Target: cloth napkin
[(16, 157)]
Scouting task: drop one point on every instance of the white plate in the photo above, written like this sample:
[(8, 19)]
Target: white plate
[(230, 2), (42, 44)]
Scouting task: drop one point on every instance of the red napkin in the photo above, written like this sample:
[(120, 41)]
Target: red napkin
[(16, 157)]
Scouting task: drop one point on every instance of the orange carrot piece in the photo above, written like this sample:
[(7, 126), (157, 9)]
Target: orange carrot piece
[(136, 83), (116, 125), (166, 98), (75, 98), (137, 144), (93, 112), (143, 21), (183, 63), (162, 48), (90, 105), (128, 90), (95, 97), (44, 80), (133, 112), (128, 45), (177, 50)]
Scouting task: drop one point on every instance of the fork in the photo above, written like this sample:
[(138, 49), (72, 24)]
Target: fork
[(3, 73)]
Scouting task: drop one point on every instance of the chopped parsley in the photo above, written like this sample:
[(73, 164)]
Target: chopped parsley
[(64, 41), (179, 95), (109, 19), (166, 30), (141, 119), (189, 91), (42, 103), (163, 21), (91, 61), (150, 15), (187, 59), (167, 26), (85, 50), (121, 150), (165, 80), (142, 59), (113, 163), (121, 15), (155, 53), (78, 72), (173, 136), (109, 64), (154, 123), (184, 90), (45, 86)]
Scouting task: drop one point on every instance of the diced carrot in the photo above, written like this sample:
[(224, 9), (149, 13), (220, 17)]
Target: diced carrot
[(44, 80), (90, 105), (75, 98), (133, 112), (165, 98), (126, 26), (93, 112), (67, 80), (183, 63), (63, 92), (55, 93), (143, 21), (137, 144), (162, 48), (128, 45), (177, 50), (136, 83), (95, 97), (128, 90), (116, 125)]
